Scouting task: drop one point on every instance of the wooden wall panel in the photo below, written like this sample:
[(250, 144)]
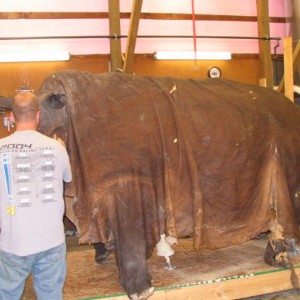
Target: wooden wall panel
[(13, 74), (240, 68)]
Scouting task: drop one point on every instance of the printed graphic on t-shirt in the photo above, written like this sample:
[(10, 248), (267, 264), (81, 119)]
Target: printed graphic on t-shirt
[(7, 168), (24, 166)]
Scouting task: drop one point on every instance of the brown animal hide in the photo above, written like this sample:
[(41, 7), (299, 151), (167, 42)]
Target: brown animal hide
[(215, 159), (206, 158)]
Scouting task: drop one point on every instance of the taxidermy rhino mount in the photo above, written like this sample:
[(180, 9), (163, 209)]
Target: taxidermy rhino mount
[(154, 158)]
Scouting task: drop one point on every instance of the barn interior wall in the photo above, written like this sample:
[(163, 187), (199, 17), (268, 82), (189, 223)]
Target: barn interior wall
[(17, 75)]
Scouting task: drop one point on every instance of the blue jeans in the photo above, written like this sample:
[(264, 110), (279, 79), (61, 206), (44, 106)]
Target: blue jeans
[(48, 270)]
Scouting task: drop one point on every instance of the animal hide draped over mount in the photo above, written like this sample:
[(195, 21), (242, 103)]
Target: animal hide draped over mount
[(215, 159), (204, 157)]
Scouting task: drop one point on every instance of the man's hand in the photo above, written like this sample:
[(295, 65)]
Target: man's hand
[(59, 140)]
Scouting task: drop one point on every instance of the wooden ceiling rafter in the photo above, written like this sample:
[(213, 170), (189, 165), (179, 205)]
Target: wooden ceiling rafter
[(295, 61), (265, 58), (132, 35), (127, 15), (116, 62)]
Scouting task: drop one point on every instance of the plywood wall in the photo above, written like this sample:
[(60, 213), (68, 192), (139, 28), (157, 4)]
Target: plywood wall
[(14, 75)]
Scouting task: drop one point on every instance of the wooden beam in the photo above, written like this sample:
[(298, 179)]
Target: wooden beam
[(236, 287), (207, 17), (266, 66), (288, 68), (127, 15), (115, 30), (296, 57), (132, 34)]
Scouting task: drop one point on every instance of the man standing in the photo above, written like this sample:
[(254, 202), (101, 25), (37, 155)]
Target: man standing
[(32, 170)]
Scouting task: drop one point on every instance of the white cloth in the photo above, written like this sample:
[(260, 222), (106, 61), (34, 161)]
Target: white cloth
[(32, 170)]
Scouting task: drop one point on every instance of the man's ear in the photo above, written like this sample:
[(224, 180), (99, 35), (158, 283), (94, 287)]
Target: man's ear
[(38, 117), (10, 121)]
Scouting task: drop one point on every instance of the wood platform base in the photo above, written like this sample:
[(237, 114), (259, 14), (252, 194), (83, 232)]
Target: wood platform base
[(233, 273)]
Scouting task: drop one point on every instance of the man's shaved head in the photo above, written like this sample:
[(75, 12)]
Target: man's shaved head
[(25, 107)]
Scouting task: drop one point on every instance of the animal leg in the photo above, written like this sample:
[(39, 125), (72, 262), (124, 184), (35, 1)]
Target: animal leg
[(133, 238), (276, 251), (101, 253), (133, 271)]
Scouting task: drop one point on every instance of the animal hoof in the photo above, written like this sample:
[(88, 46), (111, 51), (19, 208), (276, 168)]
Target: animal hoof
[(101, 258), (144, 295), (101, 253)]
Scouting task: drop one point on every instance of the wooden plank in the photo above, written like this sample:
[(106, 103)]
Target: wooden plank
[(266, 66), (132, 35), (115, 30), (234, 287), (296, 57), (248, 285), (208, 17), (288, 68), (127, 15)]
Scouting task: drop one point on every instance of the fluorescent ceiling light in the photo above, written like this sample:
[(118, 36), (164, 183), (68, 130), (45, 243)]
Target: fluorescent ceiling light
[(190, 55), (34, 56)]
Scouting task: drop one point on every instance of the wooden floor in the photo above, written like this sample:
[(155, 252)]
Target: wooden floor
[(233, 273)]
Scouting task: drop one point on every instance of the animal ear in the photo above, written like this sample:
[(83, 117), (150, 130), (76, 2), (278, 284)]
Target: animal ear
[(56, 101)]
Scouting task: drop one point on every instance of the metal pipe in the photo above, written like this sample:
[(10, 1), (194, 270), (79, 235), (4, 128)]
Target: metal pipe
[(267, 38)]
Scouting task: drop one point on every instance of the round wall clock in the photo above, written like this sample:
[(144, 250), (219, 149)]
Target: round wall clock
[(214, 72)]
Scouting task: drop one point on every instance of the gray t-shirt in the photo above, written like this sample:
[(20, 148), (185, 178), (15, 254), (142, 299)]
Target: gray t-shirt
[(32, 170)]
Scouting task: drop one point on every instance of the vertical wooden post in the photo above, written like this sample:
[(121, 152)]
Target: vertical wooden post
[(288, 68), (296, 56), (265, 57), (114, 30), (132, 34)]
